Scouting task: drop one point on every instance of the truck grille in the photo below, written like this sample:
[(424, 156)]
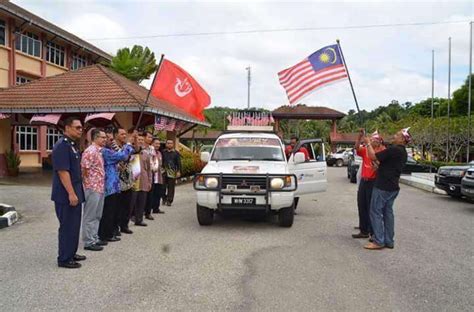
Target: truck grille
[(244, 182)]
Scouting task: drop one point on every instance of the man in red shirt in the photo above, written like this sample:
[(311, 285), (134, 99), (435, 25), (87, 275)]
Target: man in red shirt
[(366, 184), (289, 149)]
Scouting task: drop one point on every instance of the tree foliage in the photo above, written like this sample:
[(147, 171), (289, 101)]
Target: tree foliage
[(136, 64)]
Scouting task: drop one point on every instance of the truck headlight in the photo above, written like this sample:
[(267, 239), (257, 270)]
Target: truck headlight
[(277, 183), (211, 182)]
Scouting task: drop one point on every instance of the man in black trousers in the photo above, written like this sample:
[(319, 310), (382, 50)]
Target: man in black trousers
[(172, 171), (67, 193)]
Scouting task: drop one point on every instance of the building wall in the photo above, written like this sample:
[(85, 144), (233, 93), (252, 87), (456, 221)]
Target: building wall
[(30, 159), (5, 135), (4, 64), (28, 64), (52, 70), (14, 63)]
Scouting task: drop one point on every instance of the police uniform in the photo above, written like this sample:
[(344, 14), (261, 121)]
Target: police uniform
[(66, 157)]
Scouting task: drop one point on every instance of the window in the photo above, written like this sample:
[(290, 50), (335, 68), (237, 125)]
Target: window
[(2, 33), (55, 53), (27, 138), (28, 43), (21, 80), (52, 136), (78, 61)]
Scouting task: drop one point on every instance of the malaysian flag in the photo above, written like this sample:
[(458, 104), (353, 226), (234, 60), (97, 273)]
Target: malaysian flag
[(171, 125), (160, 122), (317, 70)]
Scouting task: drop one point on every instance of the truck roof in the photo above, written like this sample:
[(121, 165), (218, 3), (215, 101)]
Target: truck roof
[(249, 135)]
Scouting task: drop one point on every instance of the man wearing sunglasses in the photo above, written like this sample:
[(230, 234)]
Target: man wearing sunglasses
[(67, 193)]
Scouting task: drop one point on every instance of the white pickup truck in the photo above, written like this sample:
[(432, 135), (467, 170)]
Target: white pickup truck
[(249, 171)]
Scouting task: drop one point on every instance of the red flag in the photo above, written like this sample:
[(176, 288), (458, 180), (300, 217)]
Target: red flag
[(174, 85)]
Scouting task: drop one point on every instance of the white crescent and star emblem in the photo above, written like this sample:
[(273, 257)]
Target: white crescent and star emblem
[(182, 87), (326, 57)]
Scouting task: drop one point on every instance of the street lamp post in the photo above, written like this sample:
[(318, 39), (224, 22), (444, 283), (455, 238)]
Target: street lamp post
[(432, 108)]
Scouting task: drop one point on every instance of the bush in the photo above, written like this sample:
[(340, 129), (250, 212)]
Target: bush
[(13, 159), (190, 163)]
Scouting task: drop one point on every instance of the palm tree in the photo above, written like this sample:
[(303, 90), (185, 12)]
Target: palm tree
[(136, 64)]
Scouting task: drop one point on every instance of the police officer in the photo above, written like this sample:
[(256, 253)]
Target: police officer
[(67, 193)]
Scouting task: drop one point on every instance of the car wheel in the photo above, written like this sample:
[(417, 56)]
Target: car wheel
[(339, 163), (353, 177), (205, 215), (286, 216)]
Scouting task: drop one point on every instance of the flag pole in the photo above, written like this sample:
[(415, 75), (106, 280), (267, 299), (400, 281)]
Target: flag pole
[(432, 109), (449, 101), (350, 80), (142, 109), (469, 94)]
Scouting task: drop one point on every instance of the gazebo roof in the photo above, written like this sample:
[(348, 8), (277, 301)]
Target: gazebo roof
[(301, 111), (90, 89)]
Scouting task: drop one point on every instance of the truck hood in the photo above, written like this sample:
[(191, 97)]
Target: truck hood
[(250, 167)]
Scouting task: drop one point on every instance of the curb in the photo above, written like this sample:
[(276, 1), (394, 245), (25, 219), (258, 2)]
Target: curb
[(427, 187), (9, 215)]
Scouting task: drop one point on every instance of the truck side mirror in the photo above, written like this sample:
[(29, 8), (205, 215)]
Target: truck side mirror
[(205, 157), (299, 158)]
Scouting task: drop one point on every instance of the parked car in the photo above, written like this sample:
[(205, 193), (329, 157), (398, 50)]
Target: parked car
[(467, 184), (413, 166), (339, 158), (449, 178), (352, 167)]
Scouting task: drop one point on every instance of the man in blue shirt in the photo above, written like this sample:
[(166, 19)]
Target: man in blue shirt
[(67, 193), (110, 214)]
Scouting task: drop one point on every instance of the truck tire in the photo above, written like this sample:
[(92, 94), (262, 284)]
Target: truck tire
[(339, 163), (286, 216), (205, 215), (353, 177)]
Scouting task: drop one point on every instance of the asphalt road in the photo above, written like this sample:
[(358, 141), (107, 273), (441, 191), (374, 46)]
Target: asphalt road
[(240, 265)]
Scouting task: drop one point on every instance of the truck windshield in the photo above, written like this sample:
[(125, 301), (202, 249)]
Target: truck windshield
[(248, 149)]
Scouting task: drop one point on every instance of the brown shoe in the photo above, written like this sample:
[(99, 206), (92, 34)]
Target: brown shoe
[(360, 235), (373, 246)]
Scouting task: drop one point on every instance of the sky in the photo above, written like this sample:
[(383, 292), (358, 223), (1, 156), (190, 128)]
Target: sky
[(385, 63)]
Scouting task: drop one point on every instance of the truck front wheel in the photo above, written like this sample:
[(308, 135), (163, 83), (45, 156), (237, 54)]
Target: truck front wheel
[(286, 216), (205, 215)]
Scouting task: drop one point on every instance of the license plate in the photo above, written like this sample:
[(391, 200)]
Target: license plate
[(243, 201)]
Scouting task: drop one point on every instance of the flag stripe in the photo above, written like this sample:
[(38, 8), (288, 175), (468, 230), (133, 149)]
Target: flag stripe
[(314, 73), (313, 87), (309, 87), (286, 71), (295, 88), (294, 70)]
